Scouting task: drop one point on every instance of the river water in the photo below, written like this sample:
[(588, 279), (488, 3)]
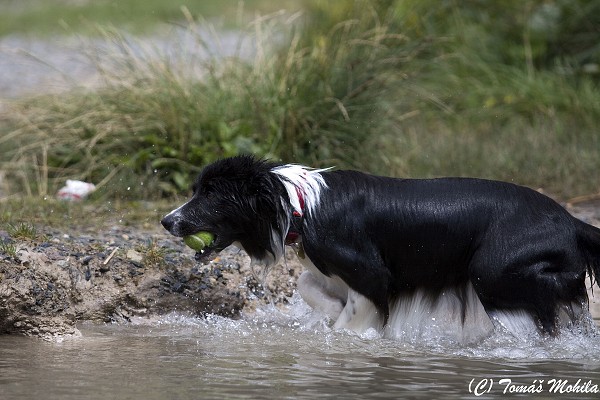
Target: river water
[(288, 354)]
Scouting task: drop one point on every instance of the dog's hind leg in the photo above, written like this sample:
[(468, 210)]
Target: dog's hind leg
[(536, 290)]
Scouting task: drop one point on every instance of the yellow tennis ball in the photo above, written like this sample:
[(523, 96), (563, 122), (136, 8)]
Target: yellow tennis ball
[(199, 240)]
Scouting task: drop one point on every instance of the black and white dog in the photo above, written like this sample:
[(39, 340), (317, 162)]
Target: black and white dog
[(380, 252)]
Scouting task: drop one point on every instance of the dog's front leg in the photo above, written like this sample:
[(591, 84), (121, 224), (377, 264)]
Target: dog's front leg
[(316, 291), (328, 295), (359, 314), (363, 272)]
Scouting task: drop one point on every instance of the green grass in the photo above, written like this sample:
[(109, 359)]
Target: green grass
[(9, 249), (22, 231), (498, 98), (43, 17), (152, 254), (499, 122), (397, 88), (540, 153), (100, 214), (155, 123)]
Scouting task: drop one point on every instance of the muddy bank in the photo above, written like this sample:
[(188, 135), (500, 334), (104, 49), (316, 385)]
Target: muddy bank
[(49, 284), (59, 278)]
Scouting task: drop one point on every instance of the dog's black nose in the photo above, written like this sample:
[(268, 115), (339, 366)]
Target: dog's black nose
[(168, 222)]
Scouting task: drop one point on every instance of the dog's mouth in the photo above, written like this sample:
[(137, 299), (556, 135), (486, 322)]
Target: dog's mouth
[(207, 254), (210, 252)]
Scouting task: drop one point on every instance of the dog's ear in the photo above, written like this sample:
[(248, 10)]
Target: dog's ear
[(265, 196)]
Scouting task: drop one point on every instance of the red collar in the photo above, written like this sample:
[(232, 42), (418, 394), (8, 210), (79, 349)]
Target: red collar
[(301, 201), (293, 233)]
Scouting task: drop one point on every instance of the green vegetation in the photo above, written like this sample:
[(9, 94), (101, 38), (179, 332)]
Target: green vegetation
[(23, 231), (137, 16), (99, 216), (9, 249), (153, 124), (508, 96), (152, 254), (407, 88)]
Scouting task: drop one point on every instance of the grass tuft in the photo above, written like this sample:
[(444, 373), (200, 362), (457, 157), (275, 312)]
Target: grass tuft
[(22, 231), (153, 254), (9, 249)]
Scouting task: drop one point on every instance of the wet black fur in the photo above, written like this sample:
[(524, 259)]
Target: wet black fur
[(386, 237)]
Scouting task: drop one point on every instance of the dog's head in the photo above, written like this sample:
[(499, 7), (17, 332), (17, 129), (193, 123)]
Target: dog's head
[(237, 200)]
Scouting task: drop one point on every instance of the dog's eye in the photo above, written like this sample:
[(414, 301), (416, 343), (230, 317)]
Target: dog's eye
[(207, 193)]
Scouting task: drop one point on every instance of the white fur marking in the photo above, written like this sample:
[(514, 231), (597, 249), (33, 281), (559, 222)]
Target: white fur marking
[(410, 316), (332, 296), (308, 181), (359, 314), (318, 297), (177, 211), (418, 315), (325, 294), (518, 322)]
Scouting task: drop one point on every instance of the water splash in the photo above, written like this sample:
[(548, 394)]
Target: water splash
[(297, 326)]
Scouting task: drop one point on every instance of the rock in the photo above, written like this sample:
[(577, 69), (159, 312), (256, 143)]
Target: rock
[(134, 256)]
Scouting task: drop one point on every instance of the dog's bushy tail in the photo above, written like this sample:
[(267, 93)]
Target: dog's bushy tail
[(588, 238)]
